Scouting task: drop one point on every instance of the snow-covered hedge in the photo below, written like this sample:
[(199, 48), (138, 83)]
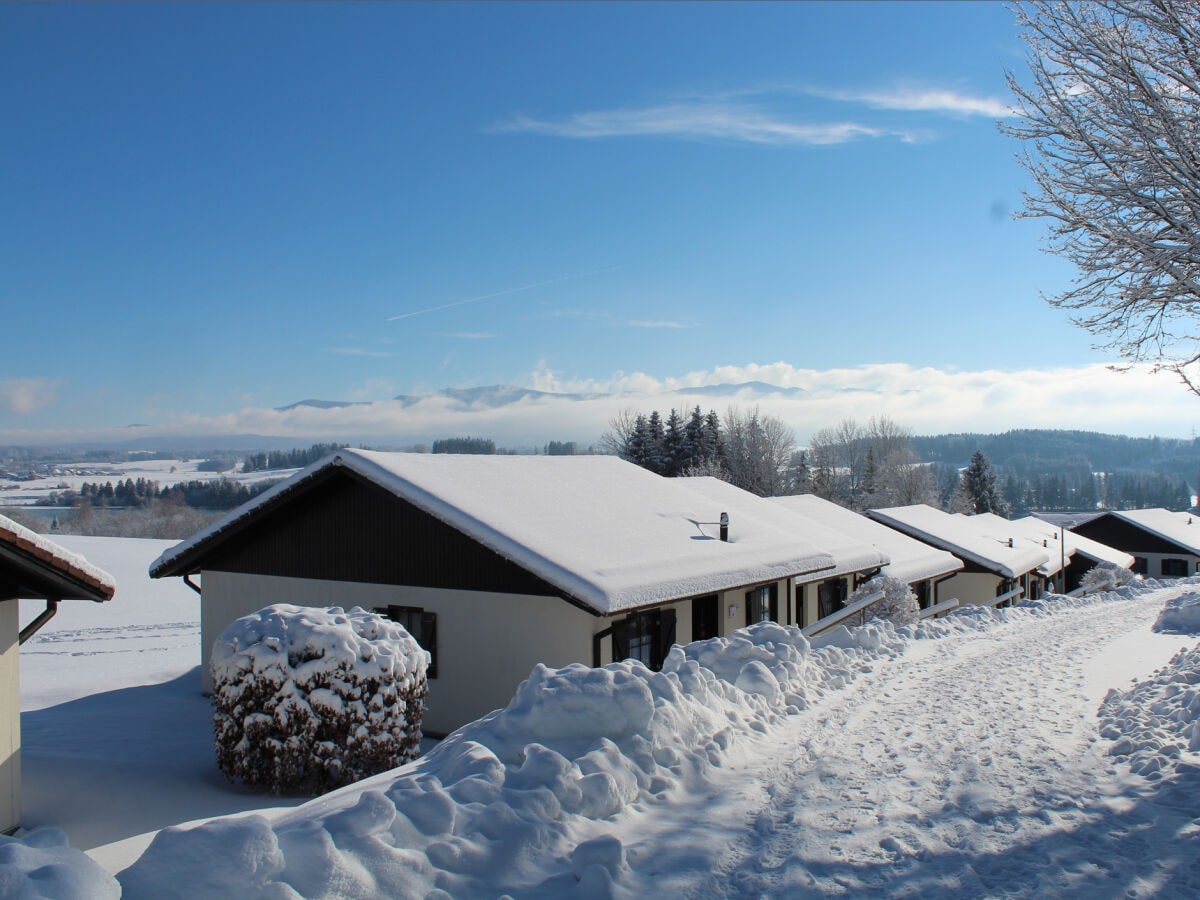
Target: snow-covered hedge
[(1104, 577), (306, 700), (898, 605), (42, 864)]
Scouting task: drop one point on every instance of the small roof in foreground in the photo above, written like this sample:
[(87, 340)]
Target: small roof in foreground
[(1182, 528), (604, 531), (34, 567), (971, 538), (911, 560)]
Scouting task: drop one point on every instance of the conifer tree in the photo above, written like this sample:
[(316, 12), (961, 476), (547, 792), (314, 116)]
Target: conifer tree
[(979, 489)]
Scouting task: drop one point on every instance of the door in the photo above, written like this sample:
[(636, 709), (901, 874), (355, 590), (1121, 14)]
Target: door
[(706, 622)]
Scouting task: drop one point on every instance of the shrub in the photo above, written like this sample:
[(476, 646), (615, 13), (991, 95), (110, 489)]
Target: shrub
[(1104, 577), (898, 605), (306, 700)]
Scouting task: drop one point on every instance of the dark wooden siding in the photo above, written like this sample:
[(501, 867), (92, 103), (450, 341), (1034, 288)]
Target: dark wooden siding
[(343, 528), (1128, 537)]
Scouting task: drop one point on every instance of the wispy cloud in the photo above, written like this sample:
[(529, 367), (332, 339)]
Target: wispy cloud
[(359, 351), (921, 99), (701, 120), (758, 115), (24, 396), (503, 293)]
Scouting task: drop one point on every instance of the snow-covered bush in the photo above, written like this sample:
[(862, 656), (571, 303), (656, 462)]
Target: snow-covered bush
[(898, 605), (307, 700), (1105, 577)]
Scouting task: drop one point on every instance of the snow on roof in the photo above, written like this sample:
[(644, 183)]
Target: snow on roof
[(849, 553), (969, 537), (1077, 543), (1029, 532), (1177, 527), (46, 552), (606, 532), (911, 559)]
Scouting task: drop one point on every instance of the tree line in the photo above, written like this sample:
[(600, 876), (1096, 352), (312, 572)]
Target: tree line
[(288, 459), (220, 493)]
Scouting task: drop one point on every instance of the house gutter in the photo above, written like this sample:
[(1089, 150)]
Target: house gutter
[(187, 579), (33, 627)]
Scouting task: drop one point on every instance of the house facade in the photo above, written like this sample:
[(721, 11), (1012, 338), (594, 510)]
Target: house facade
[(997, 560), (497, 563), (31, 568), (1164, 544)]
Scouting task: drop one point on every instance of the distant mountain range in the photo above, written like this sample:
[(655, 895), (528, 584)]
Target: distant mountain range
[(495, 396)]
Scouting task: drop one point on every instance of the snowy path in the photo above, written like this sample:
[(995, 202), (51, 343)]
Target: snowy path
[(964, 767)]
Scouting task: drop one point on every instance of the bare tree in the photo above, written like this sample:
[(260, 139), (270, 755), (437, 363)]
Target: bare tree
[(758, 451), (1111, 121), (620, 429)]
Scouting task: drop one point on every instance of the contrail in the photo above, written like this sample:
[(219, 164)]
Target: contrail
[(524, 287)]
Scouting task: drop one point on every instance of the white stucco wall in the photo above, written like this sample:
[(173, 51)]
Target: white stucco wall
[(486, 643), (10, 716), (1154, 563), (970, 588)]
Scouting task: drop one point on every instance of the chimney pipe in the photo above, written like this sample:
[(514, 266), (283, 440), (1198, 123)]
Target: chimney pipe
[(725, 526)]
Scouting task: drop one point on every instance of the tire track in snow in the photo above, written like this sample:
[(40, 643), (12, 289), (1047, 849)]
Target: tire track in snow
[(966, 766)]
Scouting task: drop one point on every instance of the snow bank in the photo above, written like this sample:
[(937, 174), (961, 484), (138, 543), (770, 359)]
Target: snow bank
[(1156, 723), (1180, 615), (521, 800), (310, 699), (42, 864)]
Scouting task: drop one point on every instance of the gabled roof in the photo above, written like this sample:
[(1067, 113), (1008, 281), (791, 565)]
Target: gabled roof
[(1077, 543), (849, 553), (911, 560), (34, 567), (602, 530), (967, 537), (1180, 528)]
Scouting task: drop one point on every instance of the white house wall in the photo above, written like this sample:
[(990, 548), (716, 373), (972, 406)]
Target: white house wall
[(970, 588), (10, 720), (486, 643)]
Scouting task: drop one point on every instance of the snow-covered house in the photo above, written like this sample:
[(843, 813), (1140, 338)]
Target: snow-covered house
[(922, 567), (496, 563), (1071, 555), (31, 568), (997, 560), (1164, 544)]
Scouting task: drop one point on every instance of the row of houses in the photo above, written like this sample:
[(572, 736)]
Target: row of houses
[(497, 563)]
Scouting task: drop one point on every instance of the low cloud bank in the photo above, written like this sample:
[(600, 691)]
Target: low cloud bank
[(926, 400)]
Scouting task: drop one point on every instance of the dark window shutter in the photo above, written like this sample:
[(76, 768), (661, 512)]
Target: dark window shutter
[(428, 640)]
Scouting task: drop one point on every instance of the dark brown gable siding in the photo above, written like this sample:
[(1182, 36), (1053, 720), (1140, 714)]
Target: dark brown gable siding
[(345, 529), (1128, 537)]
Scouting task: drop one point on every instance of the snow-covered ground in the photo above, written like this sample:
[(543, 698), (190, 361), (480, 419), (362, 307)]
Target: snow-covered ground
[(1047, 750), (166, 472)]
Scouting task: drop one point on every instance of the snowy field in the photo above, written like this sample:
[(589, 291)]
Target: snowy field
[(166, 472), (1050, 750)]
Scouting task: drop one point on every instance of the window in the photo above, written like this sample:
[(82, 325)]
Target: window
[(921, 589), (421, 625), (762, 604), (645, 636), (1139, 565), (831, 596), (1174, 568)]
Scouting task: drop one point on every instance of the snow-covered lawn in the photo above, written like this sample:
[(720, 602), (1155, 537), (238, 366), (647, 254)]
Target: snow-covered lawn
[(962, 758)]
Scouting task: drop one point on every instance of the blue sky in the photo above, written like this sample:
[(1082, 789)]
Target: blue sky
[(212, 210)]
